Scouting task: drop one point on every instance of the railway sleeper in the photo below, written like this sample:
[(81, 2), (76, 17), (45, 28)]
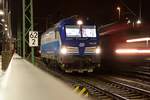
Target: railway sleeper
[(131, 95), (137, 97), (104, 98)]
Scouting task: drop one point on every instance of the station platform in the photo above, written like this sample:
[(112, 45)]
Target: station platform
[(24, 81), (1, 65)]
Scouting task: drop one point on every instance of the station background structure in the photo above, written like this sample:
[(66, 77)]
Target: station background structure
[(23, 48)]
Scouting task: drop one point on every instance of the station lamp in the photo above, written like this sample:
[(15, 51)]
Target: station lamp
[(6, 25), (128, 22), (119, 10), (138, 21), (3, 20), (6, 28), (1, 12)]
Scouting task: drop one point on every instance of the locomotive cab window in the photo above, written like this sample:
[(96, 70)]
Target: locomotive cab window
[(78, 31), (72, 31), (89, 31)]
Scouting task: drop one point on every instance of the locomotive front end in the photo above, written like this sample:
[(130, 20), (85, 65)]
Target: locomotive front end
[(80, 49)]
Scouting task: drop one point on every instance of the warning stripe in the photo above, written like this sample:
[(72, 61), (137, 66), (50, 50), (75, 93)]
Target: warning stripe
[(87, 94), (82, 91), (76, 89)]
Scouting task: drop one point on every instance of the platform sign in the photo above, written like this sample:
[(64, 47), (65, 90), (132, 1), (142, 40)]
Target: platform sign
[(33, 38)]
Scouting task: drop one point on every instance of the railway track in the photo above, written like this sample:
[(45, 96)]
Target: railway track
[(105, 89), (126, 91), (72, 80), (137, 75), (135, 82), (101, 88), (98, 93), (94, 92), (141, 72)]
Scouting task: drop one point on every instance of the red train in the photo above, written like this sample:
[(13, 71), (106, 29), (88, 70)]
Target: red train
[(124, 43)]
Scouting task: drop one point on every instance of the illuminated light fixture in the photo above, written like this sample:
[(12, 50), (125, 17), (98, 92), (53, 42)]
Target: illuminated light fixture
[(1, 12), (3, 20), (118, 8), (131, 51), (5, 25), (138, 21), (79, 22), (128, 22), (6, 29), (138, 40), (98, 50), (8, 35), (63, 50)]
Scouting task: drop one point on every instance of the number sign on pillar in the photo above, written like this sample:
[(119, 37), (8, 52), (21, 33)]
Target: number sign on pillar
[(33, 38)]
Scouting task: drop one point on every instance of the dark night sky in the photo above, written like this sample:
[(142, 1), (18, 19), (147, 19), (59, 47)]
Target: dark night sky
[(101, 11)]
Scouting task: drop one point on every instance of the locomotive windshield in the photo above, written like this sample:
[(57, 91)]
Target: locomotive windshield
[(73, 31), (77, 31), (89, 31)]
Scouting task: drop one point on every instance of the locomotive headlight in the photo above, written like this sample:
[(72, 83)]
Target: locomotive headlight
[(63, 50), (79, 22), (98, 50)]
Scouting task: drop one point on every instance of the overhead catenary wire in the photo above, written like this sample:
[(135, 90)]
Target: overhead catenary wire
[(128, 8)]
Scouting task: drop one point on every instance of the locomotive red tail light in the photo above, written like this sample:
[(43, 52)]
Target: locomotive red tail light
[(132, 51), (138, 39)]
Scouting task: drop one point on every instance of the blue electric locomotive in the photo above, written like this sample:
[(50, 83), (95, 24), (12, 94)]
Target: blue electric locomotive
[(72, 43)]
